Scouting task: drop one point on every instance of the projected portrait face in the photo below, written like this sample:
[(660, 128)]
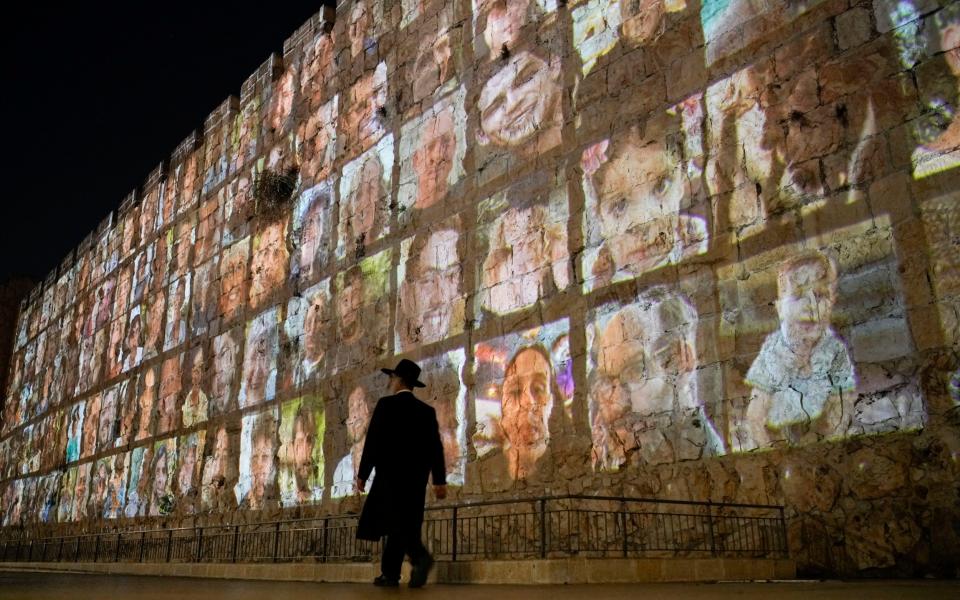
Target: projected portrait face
[(641, 21), (226, 348), (447, 394), (81, 493), (938, 133), (138, 493), (67, 486), (635, 191), (260, 359), (643, 386), (359, 27), (358, 417), (170, 385), (156, 305), (365, 110), (233, 277), (133, 343), (203, 305), (596, 29), (281, 104), (189, 452), (74, 431), (520, 101), (803, 368), (195, 404), (430, 302), (257, 453), (364, 193), (117, 487), (318, 135), (126, 412), (161, 488), (521, 396), (434, 62), (317, 327), (215, 471), (317, 63), (349, 305), (268, 267), (504, 21), (301, 452), (107, 432), (91, 422), (311, 233), (146, 403), (176, 332), (526, 255)]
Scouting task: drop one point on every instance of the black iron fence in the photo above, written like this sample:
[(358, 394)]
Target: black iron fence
[(547, 527)]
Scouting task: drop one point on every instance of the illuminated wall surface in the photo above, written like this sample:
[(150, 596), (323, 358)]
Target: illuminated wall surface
[(653, 247)]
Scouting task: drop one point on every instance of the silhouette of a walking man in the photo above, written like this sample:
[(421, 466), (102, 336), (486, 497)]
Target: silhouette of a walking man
[(403, 444)]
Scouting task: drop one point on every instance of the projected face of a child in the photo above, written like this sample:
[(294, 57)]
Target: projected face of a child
[(504, 21), (639, 184), (519, 100), (303, 447), (805, 301)]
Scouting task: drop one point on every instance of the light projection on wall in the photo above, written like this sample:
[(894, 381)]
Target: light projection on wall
[(617, 236)]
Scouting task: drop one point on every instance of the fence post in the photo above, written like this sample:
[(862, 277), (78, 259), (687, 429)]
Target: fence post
[(623, 528), (783, 534), (454, 534), (116, 557), (76, 553), (169, 544), (60, 550), (713, 539), (199, 544), (326, 539), (96, 548), (236, 541), (30, 552), (276, 542), (143, 539), (543, 528)]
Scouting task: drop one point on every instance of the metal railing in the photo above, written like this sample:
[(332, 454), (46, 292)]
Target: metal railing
[(545, 527)]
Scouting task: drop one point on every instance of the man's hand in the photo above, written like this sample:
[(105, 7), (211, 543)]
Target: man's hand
[(361, 486), (440, 491)]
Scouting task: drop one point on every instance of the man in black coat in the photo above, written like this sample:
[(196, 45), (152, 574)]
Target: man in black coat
[(403, 444)]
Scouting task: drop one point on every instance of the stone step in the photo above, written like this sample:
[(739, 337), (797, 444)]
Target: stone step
[(546, 571)]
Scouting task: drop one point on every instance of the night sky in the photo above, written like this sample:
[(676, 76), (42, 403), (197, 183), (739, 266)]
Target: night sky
[(95, 97)]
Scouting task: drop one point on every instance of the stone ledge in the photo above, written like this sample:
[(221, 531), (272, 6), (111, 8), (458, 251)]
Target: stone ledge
[(547, 571)]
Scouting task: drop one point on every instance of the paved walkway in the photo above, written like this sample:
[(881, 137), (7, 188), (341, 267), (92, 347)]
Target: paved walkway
[(15, 585)]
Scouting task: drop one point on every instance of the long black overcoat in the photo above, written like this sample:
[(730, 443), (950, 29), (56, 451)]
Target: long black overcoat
[(403, 443)]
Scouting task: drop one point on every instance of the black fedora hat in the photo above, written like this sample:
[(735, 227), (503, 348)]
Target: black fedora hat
[(408, 371)]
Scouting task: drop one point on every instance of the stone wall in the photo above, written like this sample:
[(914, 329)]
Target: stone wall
[(674, 249)]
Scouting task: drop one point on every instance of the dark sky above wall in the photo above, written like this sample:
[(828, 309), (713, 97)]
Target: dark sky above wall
[(95, 96)]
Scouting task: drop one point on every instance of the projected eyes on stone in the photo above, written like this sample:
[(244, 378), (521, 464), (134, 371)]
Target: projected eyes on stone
[(260, 359), (430, 304), (311, 232), (301, 461), (365, 187), (522, 400), (523, 243), (644, 399), (258, 447)]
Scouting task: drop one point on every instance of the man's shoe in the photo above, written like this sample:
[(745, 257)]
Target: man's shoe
[(421, 570), (381, 581)]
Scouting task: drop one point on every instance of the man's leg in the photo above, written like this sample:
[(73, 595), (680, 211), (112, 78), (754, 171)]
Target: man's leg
[(393, 550), (419, 557)]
